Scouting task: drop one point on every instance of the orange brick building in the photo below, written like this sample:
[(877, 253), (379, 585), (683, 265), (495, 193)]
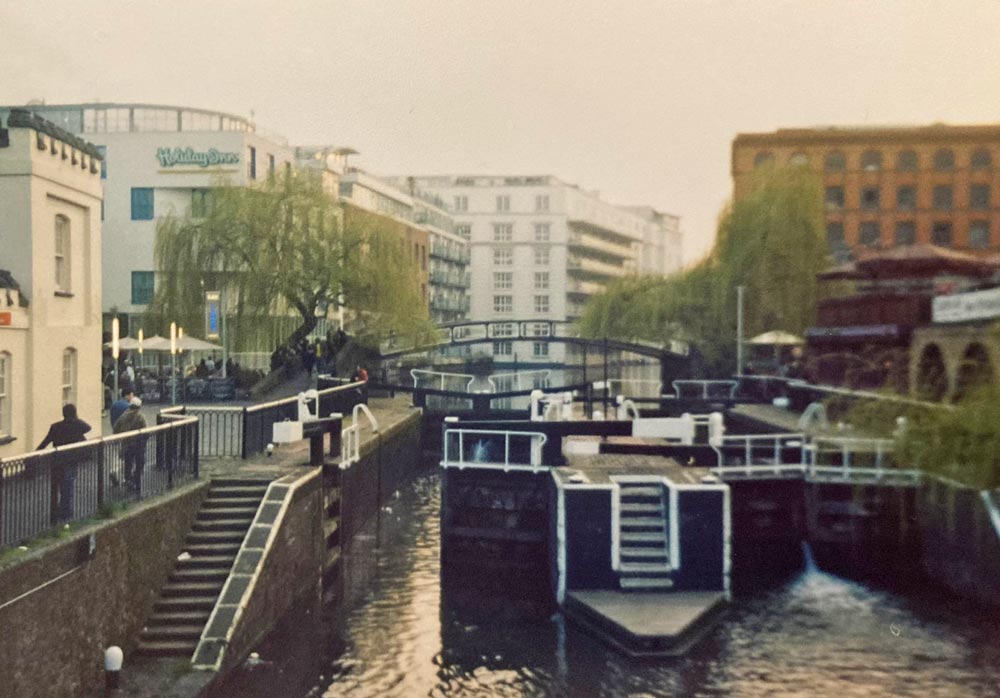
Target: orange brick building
[(890, 186)]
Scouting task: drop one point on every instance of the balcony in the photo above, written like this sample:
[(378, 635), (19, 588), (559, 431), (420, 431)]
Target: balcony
[(578, 239), (456, 279), (594, 267), (452, 254), (585, 288)]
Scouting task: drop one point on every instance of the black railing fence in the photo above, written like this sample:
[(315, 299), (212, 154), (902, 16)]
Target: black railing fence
[(44, 489)]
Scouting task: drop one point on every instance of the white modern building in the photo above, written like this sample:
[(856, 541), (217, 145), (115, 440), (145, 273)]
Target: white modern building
[(541, 247), (50, 280), (160, 160)]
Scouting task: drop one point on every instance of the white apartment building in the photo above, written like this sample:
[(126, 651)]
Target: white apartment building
[(159, 160), (540, 247), (50, 280), (661, 244)]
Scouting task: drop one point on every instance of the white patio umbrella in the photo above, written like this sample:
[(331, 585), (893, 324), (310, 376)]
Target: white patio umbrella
[(778, 338)]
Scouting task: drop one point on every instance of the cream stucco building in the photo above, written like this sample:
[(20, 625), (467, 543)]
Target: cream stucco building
[(50, 283)]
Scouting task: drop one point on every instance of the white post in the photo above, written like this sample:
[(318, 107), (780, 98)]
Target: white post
[(115, 351)]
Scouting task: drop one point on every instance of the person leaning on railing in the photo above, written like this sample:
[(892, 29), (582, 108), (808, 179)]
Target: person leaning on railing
[(69, 430)]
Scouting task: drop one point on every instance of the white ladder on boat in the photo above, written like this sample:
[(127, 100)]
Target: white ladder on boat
[(644, 557)]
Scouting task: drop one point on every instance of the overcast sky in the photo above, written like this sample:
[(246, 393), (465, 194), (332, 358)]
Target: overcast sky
[(639, 100)]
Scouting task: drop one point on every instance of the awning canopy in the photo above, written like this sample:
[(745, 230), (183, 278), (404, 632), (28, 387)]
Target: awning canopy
[(777, 338)]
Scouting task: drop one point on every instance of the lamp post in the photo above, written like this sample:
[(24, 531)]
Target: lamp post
[(173, 363), (115, 351), (739, 330)]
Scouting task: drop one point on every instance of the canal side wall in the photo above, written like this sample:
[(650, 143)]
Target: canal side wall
[(960, 539), (53, 638)]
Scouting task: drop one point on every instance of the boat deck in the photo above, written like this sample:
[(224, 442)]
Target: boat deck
[(598, 468)]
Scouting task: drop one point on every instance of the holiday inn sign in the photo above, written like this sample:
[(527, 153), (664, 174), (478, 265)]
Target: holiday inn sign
[(172, 157)]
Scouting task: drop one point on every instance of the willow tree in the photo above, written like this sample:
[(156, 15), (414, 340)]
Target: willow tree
[(771, 242), (281, 250)]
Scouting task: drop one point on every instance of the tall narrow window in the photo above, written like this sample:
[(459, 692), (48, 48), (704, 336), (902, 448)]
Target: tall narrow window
[(979, 235), (503, 304), (906, 233), (979, 196), (503, 257), (503, 203), (981, 159), (942, 197), (835, 239), (62, 257), (542, 203), (503, 232), (941, 234), (142, 287), (870, 198), (871, 161), (5, 416), (252, 163), (503, 279), (142, 204), (69, 376), (270, 165), (907, 161), (906, 198), (541, 280), (461, 204), (540, 348), (542, 256), (944, 159), (542, 232), (834, 162), (541, 304), (834, 198), (869, 233)]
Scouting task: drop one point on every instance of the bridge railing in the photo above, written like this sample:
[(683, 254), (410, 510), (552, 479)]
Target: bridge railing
[(705, 389), (493, 449), (756, 454)]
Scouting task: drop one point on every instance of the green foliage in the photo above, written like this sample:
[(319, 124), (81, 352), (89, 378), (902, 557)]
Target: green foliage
[(960, 442), (282, 253), (771, 242)]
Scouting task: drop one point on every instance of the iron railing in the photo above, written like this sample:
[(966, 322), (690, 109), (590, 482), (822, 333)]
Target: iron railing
[(520, 450), (44, 489)]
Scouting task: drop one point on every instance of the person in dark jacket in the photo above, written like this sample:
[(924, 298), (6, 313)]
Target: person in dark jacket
[(134, 449), (119, 406), (69, 430)]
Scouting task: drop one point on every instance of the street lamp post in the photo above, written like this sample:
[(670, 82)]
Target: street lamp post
[(739, 330), (115, 351), (173, 363)]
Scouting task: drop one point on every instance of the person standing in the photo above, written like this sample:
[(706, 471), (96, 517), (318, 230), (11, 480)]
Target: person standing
[(119, 406), (69, 430), (133, 449)]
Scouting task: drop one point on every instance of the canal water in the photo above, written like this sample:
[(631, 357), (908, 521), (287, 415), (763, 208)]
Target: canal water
[(813, 634)]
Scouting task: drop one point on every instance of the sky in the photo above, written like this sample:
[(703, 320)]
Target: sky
[(639, 100)]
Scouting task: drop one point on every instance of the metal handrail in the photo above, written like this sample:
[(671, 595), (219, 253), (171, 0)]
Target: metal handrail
[(350, 437), (748, 442), (705, 385), (538, 440)]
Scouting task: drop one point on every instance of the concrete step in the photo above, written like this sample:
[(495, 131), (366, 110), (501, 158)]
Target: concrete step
[(241, 482), (167, 648), (628, 568), (657, 552), (642, 583), (211, 502), (184, 604), (642, 508), (192, 589), (179, 618), (200, 574), (214, 537), (227, 513), (641, 522), (172, 632), (644, 492), (241, 491), (642, 537), (207, 561), (210, 550), (241, 524)]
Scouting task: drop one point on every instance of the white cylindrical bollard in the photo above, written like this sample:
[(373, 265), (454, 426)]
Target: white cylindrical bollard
[(113, 658)]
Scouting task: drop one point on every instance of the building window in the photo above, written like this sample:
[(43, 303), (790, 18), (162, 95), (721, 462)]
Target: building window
[(979, 196), (503, 279), (869, 198), (907, 161), (981, 159), (834, 198), (906, 233), (941, 234), (503, 348), (142, 204), (869, 233), (541, 304), (103, 150), (503, 304), (69, 376), (835, 239), (541, 280), (944, 159), (62, 257), (979, 235), (542, 231), (464, 231), (252, 163), (541, 329), (542, 256), (834, 162), (503, 257), (142, 287), (461, 204), (539, 348), (503, 329), (503, 203), (5, 416), (270, 165), (762, 159), (942, 197), (201, 203), (799, 160), (503, 232), (871, 161), (542, 203), (906, 198)]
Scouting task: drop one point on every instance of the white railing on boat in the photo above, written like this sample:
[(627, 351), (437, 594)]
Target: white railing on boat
[(482, 440)]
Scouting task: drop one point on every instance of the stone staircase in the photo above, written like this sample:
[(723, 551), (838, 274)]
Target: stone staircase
[(186, 601), (642, 526)]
